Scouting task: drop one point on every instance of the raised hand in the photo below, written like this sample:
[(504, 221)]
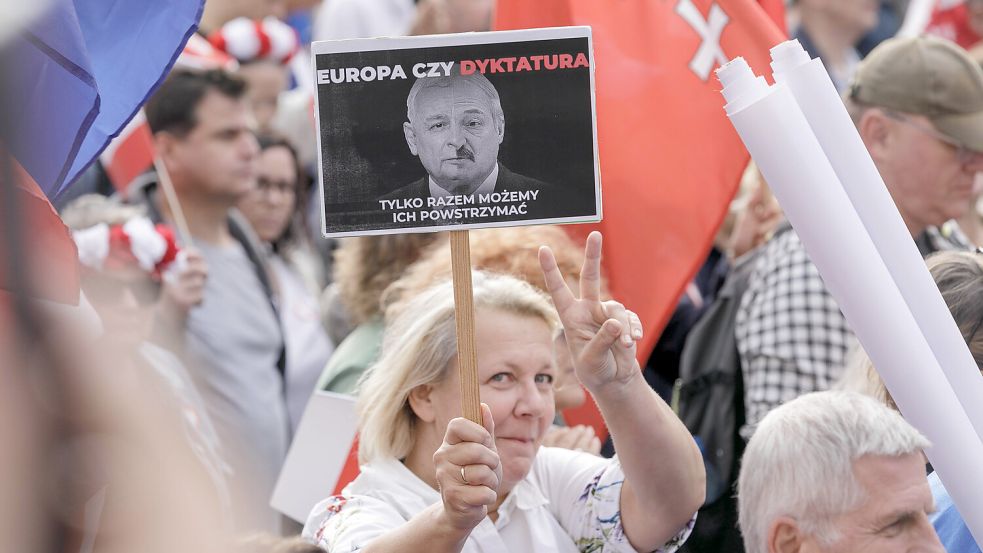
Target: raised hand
[(468, 470), (601, 335)]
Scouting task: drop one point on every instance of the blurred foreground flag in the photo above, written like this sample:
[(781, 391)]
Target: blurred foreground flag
[(75, 76), (670, 160), (71, 77), (51, 261)]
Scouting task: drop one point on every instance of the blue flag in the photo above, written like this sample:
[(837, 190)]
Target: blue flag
[(75, 76)]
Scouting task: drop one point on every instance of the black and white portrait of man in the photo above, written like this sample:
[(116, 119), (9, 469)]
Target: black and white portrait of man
[(455, 125), (445, 132)]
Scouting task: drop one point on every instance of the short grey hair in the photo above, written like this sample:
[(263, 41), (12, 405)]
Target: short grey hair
[(799, 463), (856, 109), (476, 78), (417, 349)]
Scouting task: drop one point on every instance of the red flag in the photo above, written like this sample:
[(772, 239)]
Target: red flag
[(950, 20), (670, 159), (350, 470), (130, 153), (776, 11), (49, 258)]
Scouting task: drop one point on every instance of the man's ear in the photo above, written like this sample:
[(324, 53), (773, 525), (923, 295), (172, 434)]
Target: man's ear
[(784, 536), (876, 130), (410, 135), (165, 145), (422, 403), (501, 129)]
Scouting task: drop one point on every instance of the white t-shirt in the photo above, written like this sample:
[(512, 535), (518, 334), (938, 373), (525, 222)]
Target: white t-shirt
[(308, 346), (338, 19), (568, 503)]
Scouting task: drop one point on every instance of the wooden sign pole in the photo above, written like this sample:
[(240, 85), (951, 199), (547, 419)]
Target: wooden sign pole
[(467, 358)]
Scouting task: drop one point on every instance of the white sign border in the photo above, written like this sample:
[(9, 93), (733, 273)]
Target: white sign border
[(458, 39)]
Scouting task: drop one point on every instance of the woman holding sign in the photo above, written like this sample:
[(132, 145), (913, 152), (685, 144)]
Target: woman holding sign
[(434, 482)]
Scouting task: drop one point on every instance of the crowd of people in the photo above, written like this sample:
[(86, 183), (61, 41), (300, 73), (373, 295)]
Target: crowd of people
[(212, 310)]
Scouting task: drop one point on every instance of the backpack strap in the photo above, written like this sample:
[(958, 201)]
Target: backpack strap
[(240, 230)]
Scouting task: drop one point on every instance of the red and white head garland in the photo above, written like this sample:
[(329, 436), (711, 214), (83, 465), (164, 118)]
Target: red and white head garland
[(247, 40), (152, 247)]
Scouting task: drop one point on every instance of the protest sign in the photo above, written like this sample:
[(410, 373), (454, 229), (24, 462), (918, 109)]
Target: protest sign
[(456, 132), (322, 457)]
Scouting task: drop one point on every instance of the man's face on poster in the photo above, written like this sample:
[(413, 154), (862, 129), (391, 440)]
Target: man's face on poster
[(456, 134)]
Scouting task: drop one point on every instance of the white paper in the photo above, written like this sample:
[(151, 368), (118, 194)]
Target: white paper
[(317, 454), (827, 116), (789, 156)]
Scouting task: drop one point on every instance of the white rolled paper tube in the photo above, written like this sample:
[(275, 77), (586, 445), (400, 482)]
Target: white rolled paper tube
[(829, 120), (789, 156)]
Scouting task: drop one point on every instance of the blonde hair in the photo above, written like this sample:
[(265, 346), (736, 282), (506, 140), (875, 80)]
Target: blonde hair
[(94, 209), (513, 251), (366, 265), (418, 348)]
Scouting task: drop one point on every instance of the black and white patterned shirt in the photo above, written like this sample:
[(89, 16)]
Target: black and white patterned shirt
[(791, 335), (790, 332)]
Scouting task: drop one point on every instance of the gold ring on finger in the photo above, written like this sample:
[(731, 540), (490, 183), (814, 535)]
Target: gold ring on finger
[(464, 476)]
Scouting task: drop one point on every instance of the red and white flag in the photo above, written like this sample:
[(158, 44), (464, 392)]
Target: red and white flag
[(670, 159)]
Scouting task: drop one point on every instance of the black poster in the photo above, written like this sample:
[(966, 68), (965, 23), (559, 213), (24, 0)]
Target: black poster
[(457, 131)]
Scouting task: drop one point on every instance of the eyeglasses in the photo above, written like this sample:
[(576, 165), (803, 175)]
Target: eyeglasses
[(964, 154), (268, 186)]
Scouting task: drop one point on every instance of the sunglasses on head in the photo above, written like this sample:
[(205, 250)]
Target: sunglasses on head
[(109, 290)]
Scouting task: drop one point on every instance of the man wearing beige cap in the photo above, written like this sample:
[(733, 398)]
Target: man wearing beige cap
[(918, 104)]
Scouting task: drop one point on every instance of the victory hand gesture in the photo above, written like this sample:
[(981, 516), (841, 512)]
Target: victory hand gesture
[(601, 335)]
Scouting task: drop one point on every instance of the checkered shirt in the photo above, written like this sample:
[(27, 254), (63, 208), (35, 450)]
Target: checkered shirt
[(791, 335)]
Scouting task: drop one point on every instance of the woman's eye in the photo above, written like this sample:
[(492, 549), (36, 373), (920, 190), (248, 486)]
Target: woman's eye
[(544, 379), (500, 377)]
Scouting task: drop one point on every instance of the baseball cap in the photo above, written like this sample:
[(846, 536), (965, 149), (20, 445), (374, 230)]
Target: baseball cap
[(926, 76)]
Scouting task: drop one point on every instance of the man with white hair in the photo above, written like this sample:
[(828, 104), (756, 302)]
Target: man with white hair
[(835, 471)]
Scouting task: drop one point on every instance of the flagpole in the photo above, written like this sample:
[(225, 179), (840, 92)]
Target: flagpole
[(164, 178)]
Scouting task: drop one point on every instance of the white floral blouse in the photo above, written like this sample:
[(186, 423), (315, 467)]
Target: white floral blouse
[(568, 503)]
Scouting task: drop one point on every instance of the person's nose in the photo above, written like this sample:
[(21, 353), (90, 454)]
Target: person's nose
[(532, 401), (248, 145), (925, 540), (272, 197), (456, 138)]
